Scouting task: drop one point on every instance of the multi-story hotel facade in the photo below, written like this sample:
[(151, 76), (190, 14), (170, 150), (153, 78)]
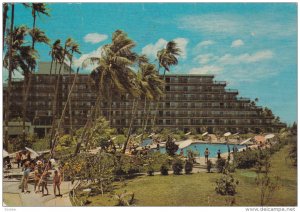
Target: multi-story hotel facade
[(190, 101)]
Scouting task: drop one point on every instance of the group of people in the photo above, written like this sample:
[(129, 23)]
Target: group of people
[(40, 167), (41, 176)]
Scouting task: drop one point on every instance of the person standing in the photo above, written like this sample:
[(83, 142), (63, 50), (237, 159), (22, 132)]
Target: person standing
[(18, 159), (206, 154), (56, 182), (24, 183), (219, 154), (44, 179), (37, 176)]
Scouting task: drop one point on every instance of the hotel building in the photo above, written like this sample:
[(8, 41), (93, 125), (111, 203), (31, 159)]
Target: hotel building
[(190, 101)]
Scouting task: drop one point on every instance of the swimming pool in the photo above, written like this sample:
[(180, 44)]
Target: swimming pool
[(200, 148)]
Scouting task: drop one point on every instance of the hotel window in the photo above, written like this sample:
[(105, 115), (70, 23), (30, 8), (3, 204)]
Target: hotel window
[(168, 79)]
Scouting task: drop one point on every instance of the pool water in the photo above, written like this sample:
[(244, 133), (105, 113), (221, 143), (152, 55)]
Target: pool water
[(200, 148)]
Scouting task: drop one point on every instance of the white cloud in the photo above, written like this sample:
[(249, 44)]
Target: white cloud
[(205, 58), (237, 43), (151, 49), (205, 43), (229, 59), (222, 24), (78, 62), (209, 69), (94, 38)]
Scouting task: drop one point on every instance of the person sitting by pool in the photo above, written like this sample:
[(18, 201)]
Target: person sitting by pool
[(206, 154), (219, 154)]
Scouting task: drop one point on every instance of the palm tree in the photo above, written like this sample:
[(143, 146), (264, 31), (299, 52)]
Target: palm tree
[(21, 55), (37, 9), (61, 56), (74, 48), (10, 70), (152, 89), (55, 54), (114, 71), (167, 57), (37, 36)]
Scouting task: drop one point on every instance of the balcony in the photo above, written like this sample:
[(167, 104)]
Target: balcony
[(235, 91)]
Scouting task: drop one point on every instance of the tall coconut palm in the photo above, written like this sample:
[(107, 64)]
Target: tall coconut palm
[(167, 57), (155, 84), (37, 9), (23, 56), (74, 48), (40, 37), (113, 70), (61, 55), (10, 70), (37, 36), (55, 54)]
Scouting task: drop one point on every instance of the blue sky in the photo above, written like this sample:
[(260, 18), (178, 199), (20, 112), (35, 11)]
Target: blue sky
[(253, 46)]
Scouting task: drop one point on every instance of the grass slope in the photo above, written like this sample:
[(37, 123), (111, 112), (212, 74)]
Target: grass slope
[(198, 189)]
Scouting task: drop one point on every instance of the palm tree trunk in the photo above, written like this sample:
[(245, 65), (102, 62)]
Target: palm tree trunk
[(5, 9), (26, 91), (155, 114), (28, 84), (59, 125), (82, 137), (55, 103), (157, 104), (51, 66), (70, 102), (33, 28), (146, 122), (10, 70), (134, 109)]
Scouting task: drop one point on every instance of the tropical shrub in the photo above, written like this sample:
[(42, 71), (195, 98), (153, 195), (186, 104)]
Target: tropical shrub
[(177, 166), (226, 185), (164, 169), (126, 165), (230, 167), (247, 159), (188, 167), (220, 164), (171, 147)]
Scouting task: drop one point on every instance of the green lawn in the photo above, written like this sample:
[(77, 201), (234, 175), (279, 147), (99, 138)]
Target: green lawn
[(198, 189)]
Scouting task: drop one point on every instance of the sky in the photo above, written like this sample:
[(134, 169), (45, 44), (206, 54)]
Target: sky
[(252, 46)]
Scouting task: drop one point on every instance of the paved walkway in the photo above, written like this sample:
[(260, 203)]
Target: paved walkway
[(13, 197)]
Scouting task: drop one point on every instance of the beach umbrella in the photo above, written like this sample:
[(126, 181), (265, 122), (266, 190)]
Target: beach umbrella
[(33, 154), (245, 141), (204, 134), (260, 138), (4, 153), (269, 136), (188, 133), (184, 144), (227, 134)]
